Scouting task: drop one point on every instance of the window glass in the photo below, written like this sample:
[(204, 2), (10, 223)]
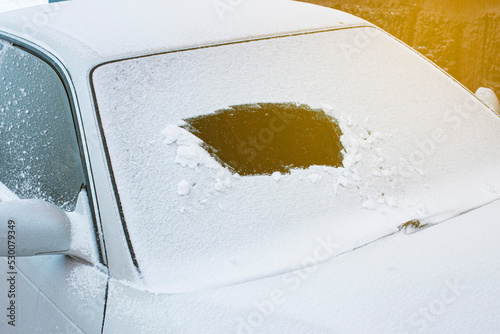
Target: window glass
[(39, 154), (264, 138), (405, 126)]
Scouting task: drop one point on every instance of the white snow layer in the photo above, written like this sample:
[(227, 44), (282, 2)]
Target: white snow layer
[(6, 5), (410, 153), (153, 26), (83, 237), (440, 280), (87, 281)]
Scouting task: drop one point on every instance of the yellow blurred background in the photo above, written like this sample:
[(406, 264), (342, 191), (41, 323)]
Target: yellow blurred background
[(462, 37)]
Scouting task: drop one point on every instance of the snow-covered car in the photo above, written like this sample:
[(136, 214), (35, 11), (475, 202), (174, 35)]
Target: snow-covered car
[(239, 167)]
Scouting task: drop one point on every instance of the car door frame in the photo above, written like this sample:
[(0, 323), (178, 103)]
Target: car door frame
[(66, 79), (65, 76)]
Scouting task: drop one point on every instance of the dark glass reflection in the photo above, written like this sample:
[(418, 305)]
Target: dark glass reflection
[(257, 139)]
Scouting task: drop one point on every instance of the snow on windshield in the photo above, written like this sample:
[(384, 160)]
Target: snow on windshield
[(403, 133), (360, 164)]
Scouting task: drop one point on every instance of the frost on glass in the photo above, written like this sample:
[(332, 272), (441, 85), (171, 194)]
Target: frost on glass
[(39, 155), (265, 138), (404, 126)]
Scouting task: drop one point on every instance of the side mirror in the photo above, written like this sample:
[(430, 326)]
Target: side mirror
[(33, 227), (488, 97)]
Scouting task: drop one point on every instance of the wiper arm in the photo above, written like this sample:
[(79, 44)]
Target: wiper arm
[(416, 225)]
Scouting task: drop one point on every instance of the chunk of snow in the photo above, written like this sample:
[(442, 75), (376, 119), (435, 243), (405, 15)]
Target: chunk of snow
[(314, 178), (189, 151), (365, 168), (223, 184), (490, 188), (183, 188), (193, 156), (227, 183), (369, 204)]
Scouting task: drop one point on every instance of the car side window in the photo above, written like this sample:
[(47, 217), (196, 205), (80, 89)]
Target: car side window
[(39, 152)]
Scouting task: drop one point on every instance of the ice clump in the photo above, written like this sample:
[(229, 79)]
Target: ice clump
[(190, 152), (364, 167), (183, 188), (314, 178)]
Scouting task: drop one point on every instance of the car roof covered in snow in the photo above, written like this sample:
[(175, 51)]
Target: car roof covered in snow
[(101, 30)]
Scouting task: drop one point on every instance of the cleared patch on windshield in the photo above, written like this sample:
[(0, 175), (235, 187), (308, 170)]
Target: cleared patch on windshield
[(264, 138)]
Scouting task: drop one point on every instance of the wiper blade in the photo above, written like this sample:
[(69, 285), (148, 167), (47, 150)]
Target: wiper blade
[(416, 225)]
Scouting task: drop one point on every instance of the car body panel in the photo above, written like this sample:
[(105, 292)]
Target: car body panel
[(61, 30), (74, 30), (67, 295)]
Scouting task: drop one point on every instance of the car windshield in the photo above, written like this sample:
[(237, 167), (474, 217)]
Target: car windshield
[(237, 161)]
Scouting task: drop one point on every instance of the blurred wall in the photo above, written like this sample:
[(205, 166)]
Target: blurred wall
[(462, 37)]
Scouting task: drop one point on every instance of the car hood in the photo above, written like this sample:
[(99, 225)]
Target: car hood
[(443, 279)]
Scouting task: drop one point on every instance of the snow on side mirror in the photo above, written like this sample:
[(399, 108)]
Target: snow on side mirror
[(488, 97), (33, 227)]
